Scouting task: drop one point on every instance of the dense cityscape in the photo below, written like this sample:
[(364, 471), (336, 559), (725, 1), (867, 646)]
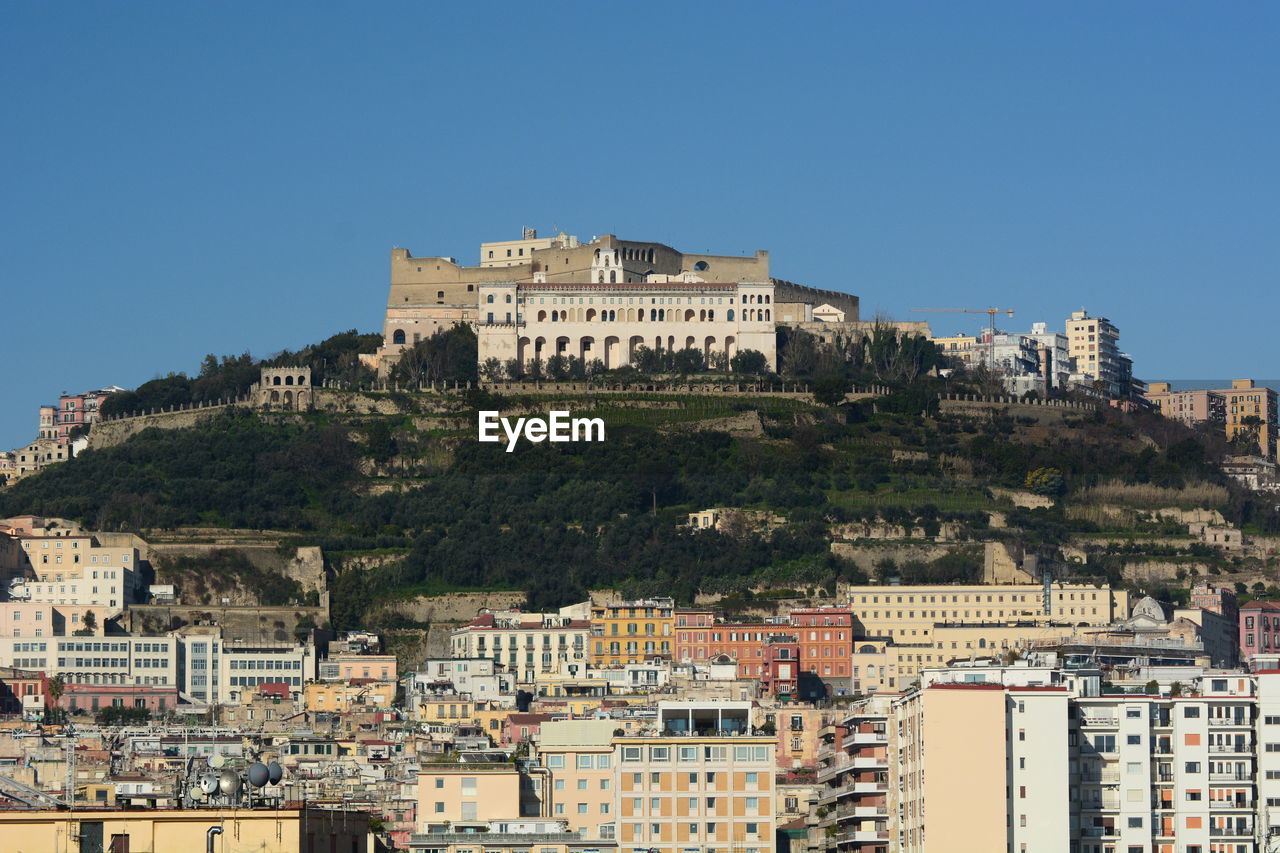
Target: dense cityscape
[(143, 700)]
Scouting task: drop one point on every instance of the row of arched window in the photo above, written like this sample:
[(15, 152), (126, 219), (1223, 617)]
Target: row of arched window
[(288, 380), (634, 315)]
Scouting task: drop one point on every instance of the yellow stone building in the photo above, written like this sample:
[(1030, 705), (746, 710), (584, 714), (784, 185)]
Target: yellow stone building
[(632, 631)]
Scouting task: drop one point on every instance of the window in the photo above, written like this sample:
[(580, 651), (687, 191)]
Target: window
[(1134, 740), (1133, 713), (1191, 712), (555, 762)]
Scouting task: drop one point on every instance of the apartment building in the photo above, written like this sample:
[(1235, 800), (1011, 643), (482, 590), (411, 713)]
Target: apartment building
[(1188, 407), (468, 791), (708, 792), (825, 638), (67, 566), (216, 671), (1053, 355), (632, 631), (358, 667), (1060, 764), (116, 660), (1259, 633), (700, 638), (1093, 344), (74, 411), (578, 757), (527, 644), (853, 775), (1251, 413)]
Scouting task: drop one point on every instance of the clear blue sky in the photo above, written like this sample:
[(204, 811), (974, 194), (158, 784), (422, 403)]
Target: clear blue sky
[(184, 178)]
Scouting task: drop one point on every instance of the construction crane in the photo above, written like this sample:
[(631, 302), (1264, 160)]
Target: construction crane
[(991, 314)]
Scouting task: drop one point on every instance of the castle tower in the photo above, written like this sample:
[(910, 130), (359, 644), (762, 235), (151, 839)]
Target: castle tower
[(285, 389)]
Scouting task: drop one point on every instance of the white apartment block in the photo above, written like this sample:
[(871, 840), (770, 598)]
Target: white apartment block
[(527, 644), (215, 671), (127, 660), (1029, 760)]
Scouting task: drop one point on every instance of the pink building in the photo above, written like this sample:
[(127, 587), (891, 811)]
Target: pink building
[(93, 697), (1259, 631), (73, 410), (1189, 407), (522, 727), (781, 667)]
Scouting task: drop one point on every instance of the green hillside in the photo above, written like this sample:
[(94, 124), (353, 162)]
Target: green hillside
[(405, 501)]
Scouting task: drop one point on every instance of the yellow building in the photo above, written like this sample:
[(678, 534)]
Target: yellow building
[(169, 830), (467, 792), (1245, 401), (907, 614), (631, 631), (339, 697)]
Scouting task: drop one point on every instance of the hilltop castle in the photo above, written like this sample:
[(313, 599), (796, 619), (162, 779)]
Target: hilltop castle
[(541, 296)]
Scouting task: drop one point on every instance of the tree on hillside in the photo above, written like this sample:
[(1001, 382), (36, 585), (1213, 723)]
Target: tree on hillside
[(449, 355), (749, 362)]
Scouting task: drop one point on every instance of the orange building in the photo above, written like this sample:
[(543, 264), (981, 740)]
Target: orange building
[(700, 638), (825, 635)]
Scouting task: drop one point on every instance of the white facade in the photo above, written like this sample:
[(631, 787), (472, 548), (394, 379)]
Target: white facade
[(132, 660), (216, 672), (526, 644), (609, 321)]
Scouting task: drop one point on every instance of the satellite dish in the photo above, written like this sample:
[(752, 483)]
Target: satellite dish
[(229, 783), (197, 793), (209, 783), (275, 773), (258, 774), (217, 760)]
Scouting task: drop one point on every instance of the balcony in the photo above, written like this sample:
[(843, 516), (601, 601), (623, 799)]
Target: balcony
[(1106, 777), (1233, 748), (1230, 722), (862, 836), (1102, 722), (1239, 831), (1230, 805), (862, 811), (864, 739), (1229, 777)]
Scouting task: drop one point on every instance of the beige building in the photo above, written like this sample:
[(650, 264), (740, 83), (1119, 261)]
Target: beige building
[(529, 645), (1093, 345), (537, 297), (1189, 407), (69, 566), (908, 613), (578, 756), (609, 322), (1245, 401), (1023, 754), (468, 792), (168, 830), (964, 348), (706, 793)]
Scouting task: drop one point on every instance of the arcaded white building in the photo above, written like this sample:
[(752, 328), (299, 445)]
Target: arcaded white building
[(537, 320)]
